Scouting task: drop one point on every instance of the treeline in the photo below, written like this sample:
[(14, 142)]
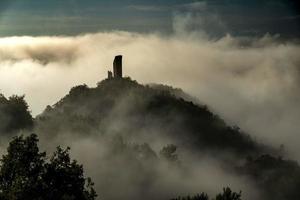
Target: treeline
[(130, 110), (227, 194)]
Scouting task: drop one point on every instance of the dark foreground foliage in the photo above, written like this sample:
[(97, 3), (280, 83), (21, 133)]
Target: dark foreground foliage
[(26, 174), (201, 196), (226, 195)]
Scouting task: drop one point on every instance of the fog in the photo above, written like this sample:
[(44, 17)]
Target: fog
[(117, 175), (251, 82)]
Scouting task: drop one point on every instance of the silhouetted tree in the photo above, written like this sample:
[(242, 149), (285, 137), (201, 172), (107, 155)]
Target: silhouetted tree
[(14, 114), (201, 196), (229, 195), (226, 195), (64, 178), (25, 174), (21, 169)]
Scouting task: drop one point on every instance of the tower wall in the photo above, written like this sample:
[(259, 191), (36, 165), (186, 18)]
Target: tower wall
[(118, 67), (109, 75)]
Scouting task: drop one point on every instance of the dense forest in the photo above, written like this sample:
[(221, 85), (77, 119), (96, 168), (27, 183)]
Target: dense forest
[(155, 130)]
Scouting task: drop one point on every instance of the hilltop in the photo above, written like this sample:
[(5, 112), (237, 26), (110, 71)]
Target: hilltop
[(125, 107), (138, 120), (152, 114)]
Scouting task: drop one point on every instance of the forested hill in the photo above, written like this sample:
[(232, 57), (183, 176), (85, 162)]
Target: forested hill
[(160, 114), (146, 124), (122, 106)]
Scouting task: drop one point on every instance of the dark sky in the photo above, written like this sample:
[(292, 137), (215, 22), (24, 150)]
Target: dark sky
[(72, 17)]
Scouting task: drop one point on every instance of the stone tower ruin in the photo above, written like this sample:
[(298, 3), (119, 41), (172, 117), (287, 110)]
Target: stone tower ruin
[(109, 75), (118, 67)]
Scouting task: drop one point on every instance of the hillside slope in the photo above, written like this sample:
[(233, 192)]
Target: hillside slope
[(155, 116), (122, 106)]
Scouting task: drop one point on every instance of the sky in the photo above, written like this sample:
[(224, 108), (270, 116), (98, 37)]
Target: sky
[(73, 17)]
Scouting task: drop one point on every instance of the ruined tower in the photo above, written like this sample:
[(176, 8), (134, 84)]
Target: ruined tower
[(118, 67), (109, 75)]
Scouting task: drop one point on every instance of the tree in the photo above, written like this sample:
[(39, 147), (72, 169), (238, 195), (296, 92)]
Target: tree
[(21, 169), (229, 195), (226, 195), (14, 114), (26, 174), (201, 196), (168, 153), (64, 178)]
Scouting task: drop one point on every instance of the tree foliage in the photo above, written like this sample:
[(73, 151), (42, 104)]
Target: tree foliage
[(201, 196), (226, 195), (229, 195), (169, 153), (26, 174), (14, 114)]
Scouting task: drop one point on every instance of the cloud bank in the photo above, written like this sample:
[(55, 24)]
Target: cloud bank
[(251, 82)]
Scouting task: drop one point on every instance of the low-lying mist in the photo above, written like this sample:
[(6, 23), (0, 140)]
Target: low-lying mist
[(125, 172), (251, 82)]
